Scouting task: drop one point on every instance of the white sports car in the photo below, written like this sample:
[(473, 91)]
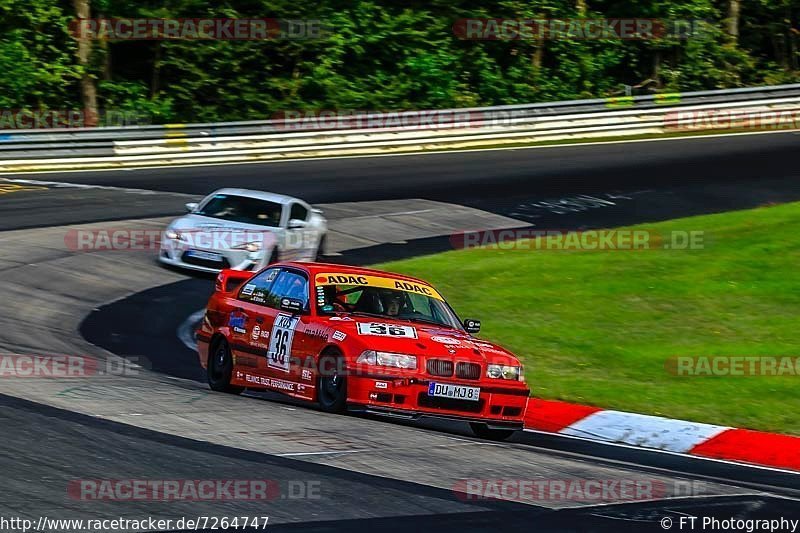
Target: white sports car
[(243, 230)]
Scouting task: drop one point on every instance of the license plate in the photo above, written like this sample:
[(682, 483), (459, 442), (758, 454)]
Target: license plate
[(208, 256), (458, 392)]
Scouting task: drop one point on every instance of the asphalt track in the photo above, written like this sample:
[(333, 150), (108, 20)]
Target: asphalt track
[(374, 474)]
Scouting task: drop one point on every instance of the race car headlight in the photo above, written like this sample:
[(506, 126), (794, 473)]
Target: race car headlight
[(249, 246), (172, 234), (397, 360), (503, 372)]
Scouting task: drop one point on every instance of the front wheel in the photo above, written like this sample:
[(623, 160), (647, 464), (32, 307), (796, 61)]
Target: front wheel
[(220, 367), (331, 384), (485, 432)]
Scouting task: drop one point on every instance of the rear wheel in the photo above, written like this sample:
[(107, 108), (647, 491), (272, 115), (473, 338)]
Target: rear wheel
[(220, 367), (485, 432), (332, 384)]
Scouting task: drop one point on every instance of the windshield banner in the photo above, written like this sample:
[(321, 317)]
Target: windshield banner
[(340, 278)]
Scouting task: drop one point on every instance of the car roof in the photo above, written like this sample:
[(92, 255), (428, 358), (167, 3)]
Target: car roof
[(261, 195), (316, 268)]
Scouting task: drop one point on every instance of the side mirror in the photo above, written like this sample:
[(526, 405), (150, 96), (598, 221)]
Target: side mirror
[(191, 206), (472, 325), (292, 305), (296, 223)]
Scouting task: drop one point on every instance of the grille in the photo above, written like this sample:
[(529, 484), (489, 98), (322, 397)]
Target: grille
[(468, 370), (205, 262), (451, 404), (440, 367)]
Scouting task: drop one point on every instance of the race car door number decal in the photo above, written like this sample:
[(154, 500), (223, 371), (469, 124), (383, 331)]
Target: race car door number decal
[(386, 330), (280, 342)]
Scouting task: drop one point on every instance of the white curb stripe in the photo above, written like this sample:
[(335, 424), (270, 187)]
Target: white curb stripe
[(677, 436)]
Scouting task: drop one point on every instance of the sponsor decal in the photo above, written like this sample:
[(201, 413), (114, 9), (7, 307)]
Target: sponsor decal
[(341, 318), (386, 330), (377, 281), (237, 322), (339, 336), (272, 383), (257, 334), (280, 345), (320, 295), (306, 374), (317, 332), (381, 385), (445, 340), (488, 347), (248, 289)]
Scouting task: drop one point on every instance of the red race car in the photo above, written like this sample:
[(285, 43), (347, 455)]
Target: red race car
[(358, 339)]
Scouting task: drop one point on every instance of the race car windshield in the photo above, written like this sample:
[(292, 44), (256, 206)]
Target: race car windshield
[(242, 209), (386, 303)]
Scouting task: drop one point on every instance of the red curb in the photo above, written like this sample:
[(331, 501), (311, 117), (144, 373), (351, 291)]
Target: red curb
[(768, 449), (553, 416)]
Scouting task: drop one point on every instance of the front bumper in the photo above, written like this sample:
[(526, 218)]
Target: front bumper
[(235, 259), (500, 404)]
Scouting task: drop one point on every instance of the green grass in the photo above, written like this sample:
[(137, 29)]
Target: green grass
[(597, 327)]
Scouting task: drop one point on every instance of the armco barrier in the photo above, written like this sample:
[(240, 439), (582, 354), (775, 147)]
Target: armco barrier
[(277, 139)]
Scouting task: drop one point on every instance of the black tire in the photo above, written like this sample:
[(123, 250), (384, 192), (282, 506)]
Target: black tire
[(485, 432), (220, 366), (331, 384), (320, 257)]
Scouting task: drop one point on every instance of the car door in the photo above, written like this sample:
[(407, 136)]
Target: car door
[(284, 359), (250, 323)]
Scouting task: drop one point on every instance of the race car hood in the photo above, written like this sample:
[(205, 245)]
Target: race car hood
[(420, 339)]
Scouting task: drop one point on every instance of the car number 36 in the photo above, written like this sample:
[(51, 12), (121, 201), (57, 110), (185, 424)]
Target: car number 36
[(280, 344)]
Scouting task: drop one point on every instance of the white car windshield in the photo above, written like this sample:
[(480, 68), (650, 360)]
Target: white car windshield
[(242, 209)]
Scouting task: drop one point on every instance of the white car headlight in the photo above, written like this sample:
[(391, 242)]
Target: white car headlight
[(172, 234), (503, 372), (397, 360)]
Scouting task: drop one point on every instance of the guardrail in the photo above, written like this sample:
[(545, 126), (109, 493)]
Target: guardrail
[(454, 128)]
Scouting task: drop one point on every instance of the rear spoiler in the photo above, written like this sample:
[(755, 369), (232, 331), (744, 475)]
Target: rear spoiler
[(229, 279)]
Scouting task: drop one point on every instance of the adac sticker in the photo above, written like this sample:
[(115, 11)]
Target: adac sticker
[(334, 278)]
